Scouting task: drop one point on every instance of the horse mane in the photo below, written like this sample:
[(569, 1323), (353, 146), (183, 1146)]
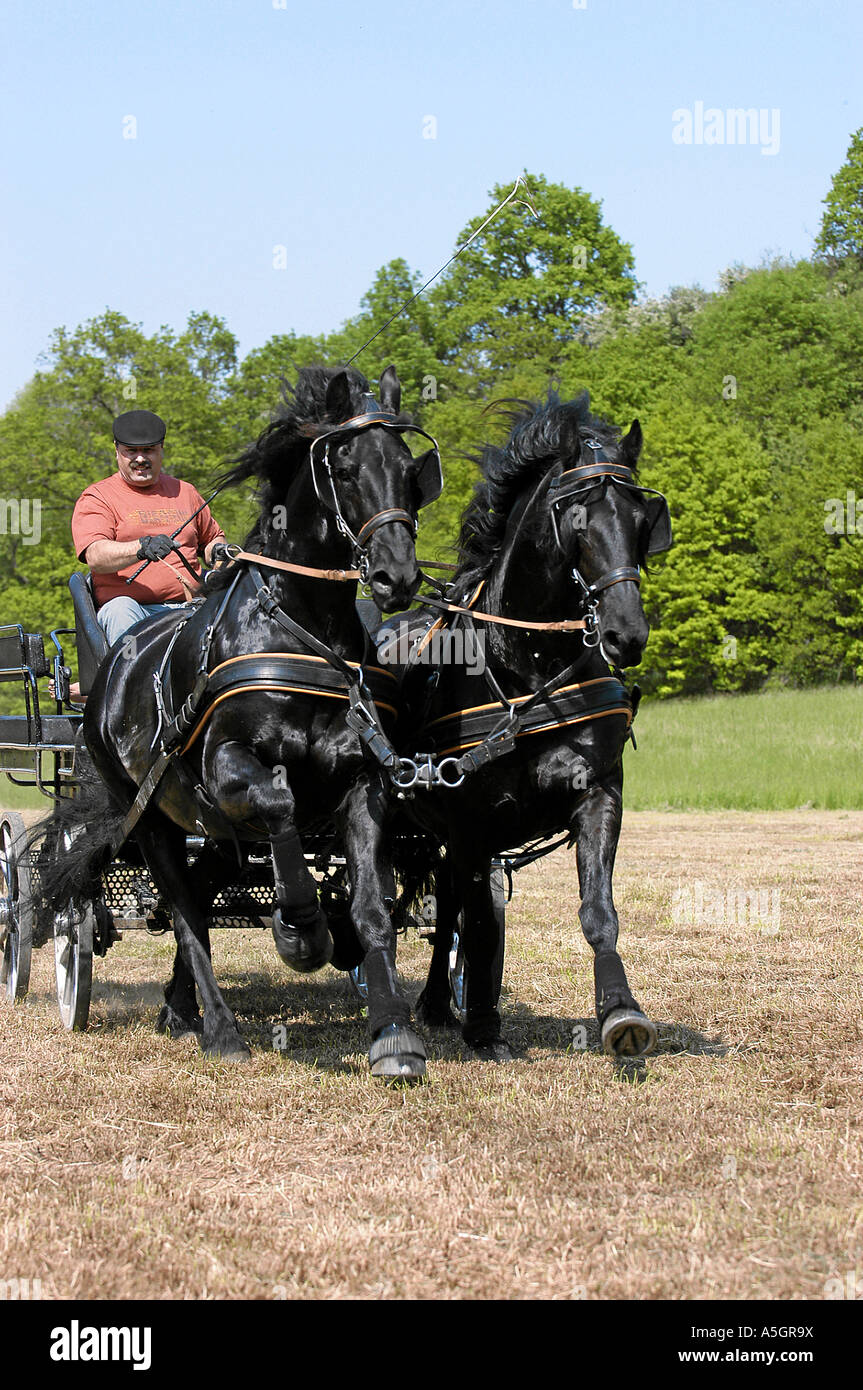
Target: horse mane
[(282, 447), (541, 433), (301, 416)]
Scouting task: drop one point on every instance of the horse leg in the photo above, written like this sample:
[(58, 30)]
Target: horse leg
[(433, 1006), (247, 788), (396, 1049), (300, 929), (624, 1028), (164, 848), (483, 944), (211, 871)]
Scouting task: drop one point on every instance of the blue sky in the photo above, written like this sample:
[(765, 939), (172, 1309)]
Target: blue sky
[(276, 122)]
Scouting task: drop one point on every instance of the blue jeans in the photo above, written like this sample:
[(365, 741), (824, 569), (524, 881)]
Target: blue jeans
[(119, 614)]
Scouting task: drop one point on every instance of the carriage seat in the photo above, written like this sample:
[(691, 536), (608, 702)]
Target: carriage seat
[(369, 615), (90, 640)]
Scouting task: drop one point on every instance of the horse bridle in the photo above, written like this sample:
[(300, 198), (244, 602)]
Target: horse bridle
[(583, 478), (430, 482)]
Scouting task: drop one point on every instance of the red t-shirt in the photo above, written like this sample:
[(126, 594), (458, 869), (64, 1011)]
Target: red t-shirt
[(113, 510)]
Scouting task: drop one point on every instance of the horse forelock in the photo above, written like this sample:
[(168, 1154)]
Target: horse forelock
[(541, 434)]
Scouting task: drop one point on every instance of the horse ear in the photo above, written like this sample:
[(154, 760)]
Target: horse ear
[(338, 399), (630, 445), (391, 390)]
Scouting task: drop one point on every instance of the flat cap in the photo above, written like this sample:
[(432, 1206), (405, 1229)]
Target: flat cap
[(139, 428)]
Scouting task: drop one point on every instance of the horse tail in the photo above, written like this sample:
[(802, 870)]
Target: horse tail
[(79, 837), (416, 866)]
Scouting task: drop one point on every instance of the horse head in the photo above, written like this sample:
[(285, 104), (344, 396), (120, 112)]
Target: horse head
[(368, 480), (605, 525)]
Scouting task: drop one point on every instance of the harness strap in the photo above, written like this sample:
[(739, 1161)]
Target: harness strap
[(338, 576), (295, 673), (563, 625), (362, 717), (569, 704), (145, 791), (269, 604), (584, 472), (623, 574), (487, 732), (369, 527)]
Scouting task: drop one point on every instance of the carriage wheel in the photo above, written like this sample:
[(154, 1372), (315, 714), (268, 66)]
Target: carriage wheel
[(16, 907), (73, 959), (458, 966), (357, 977), (73, 963)]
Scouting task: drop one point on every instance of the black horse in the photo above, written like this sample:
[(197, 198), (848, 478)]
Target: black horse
[(556, 535), (264, 717)]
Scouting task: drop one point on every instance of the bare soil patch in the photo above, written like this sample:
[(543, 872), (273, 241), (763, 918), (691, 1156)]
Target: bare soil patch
[(728, 1166)]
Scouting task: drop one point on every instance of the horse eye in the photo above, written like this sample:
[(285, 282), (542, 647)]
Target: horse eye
[(342, 458)]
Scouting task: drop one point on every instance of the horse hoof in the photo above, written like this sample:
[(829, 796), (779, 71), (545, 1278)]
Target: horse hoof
[(628, 1033), (398, 1054), (303, 950), (497, 1050), (227, 1050), (178, 1025)]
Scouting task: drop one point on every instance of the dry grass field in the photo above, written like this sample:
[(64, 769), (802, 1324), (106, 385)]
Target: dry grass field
[(728, 1166)]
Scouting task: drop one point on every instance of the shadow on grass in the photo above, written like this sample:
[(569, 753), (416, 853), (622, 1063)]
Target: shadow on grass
[(526, 1030), (313, 1019), (318, 1019)]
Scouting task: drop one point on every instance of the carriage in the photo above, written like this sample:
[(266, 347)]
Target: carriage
[(559, 529)]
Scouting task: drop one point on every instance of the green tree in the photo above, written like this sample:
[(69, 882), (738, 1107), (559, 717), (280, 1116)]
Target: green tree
[(810, 544), (780, 349), (528, 286), (56, 438), (256, 388), (709, 613), (408, 341), (841, 234)]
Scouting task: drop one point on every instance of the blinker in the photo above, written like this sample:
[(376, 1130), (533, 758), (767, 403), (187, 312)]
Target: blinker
[(660, 536)]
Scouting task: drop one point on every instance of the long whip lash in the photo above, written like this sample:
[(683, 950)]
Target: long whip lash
[(521, 182)]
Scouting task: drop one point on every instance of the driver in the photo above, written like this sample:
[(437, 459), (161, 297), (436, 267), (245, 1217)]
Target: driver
[(133, 515)]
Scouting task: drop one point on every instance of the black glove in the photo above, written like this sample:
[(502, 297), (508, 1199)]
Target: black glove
[(219, 554), (155, 547)]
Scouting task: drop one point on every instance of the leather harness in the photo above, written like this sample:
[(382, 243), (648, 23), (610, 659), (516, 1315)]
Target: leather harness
[(479, 734), (483, 733)]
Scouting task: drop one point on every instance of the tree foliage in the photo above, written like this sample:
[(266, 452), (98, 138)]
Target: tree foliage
[(841, 234), (751, 400)]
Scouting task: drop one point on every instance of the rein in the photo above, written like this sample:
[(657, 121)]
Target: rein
[(236, 552), (564, 625)]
